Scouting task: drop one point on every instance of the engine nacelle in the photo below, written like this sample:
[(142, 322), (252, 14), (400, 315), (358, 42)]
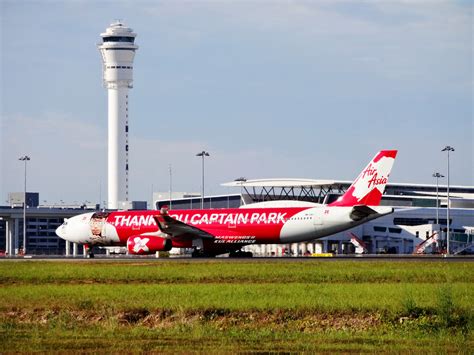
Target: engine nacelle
[(141, 245)]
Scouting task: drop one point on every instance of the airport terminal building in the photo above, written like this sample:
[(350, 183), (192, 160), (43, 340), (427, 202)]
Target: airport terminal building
[(411, 228)]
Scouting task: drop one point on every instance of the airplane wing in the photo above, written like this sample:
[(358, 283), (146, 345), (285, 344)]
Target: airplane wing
[(177, 229), (360, 212)]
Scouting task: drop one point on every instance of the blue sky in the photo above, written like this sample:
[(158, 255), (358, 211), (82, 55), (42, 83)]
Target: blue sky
[(308, 89)]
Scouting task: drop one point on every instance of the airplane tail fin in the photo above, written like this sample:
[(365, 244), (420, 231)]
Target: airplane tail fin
[(369, 186)]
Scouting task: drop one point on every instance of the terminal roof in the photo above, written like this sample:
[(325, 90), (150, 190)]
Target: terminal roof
[(295, 182), (283, 183)]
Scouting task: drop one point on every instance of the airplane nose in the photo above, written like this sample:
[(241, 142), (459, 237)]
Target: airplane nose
[(61, 231), (75, 229)]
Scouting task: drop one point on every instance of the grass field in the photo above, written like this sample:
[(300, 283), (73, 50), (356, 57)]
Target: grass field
[(229, 306)]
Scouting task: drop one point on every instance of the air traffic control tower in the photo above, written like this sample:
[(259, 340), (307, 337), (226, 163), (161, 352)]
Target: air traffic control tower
[(118, 51)]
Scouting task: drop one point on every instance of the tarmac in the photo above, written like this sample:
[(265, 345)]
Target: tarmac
[(177, 259)]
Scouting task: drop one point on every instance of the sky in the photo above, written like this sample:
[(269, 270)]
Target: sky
[(271, 89)]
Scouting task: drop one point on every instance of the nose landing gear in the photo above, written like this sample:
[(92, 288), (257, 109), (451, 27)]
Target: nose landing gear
[(88, 251)]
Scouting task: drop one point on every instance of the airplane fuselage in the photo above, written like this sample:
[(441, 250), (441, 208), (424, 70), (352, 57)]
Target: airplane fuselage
[(230, 227), (217, 231)]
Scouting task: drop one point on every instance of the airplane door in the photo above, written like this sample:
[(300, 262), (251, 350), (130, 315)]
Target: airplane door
[(318, 217)]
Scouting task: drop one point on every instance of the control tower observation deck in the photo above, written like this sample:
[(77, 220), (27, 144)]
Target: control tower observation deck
[(118, 51)]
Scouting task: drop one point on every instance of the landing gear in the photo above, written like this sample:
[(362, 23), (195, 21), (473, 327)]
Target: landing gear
[(240, 254), (199, 253), (88, 251)]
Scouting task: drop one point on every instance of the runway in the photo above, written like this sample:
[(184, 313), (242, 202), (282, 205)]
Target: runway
[(179, 259)]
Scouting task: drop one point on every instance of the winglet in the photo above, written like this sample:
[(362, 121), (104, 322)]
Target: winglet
[(369, 186)]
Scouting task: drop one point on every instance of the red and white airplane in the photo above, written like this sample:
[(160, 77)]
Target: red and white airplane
[(218, 231)]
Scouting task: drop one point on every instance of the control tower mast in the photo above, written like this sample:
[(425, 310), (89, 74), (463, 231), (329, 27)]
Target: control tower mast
[(118, 51)]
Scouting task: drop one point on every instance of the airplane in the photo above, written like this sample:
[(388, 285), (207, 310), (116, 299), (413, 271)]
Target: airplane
[(211, 232)]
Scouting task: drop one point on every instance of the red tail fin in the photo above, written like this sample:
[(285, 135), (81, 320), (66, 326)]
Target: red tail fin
[(369, 186)]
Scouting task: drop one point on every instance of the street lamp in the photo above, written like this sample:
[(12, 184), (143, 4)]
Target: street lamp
[(437, 176), (447, 149), (171, 186), (202, 154), (241, 180), (24, 158)]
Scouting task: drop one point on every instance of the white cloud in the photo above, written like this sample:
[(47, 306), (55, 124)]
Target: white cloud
[(414, 41)]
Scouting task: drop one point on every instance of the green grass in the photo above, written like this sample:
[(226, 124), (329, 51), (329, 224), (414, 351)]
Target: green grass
[(209, 339), (229, 306), (234, 272), (243, 296)]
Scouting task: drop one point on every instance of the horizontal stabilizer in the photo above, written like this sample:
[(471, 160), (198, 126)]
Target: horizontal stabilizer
[(360, 212), (177, 229)]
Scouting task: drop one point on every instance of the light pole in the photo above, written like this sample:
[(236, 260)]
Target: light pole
[(447, 149), (171, 186), (437, 176), (241, 180), (24, 158), (202, 154)]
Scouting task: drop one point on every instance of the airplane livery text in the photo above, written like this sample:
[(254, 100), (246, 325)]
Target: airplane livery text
[(198, 219)]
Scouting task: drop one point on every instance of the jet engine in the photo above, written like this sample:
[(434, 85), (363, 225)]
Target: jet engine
[(140, 245)]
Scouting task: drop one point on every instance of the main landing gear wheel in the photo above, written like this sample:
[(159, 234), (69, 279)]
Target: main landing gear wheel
[(240, 254), (198, 253)]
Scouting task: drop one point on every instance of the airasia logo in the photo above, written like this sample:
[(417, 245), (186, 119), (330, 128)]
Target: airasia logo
[(374, 179), (370, 171)]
